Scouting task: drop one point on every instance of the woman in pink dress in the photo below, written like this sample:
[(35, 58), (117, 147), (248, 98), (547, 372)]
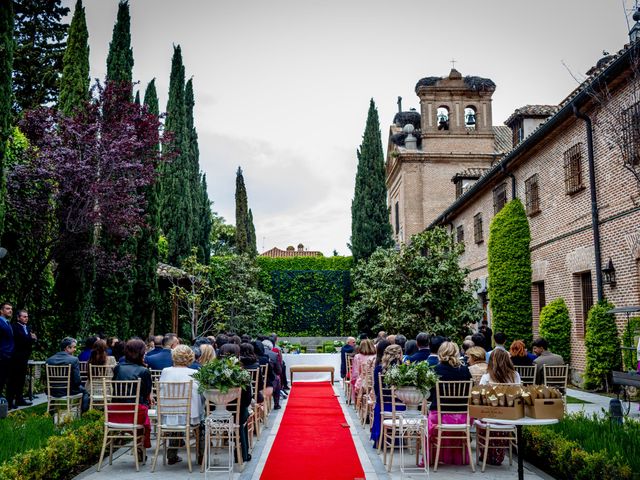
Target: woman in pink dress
[(362, 361)]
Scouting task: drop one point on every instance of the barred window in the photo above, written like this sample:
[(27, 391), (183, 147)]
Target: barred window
[(397, 217), (499, 197), (573, 169), (460, 234), (477, 228), (631, 135), (458, 188), (531, 194)]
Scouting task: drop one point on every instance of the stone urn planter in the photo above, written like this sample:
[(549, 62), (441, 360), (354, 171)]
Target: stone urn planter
[(221, 400), (412, 398)]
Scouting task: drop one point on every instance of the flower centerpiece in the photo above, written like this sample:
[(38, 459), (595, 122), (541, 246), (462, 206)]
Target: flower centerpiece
[(338, 344), (413, 383), (221, 381), (286, 346)]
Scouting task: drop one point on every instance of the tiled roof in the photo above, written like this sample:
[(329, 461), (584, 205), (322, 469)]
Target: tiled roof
[(532, 111), (504, 139), (472, 173), (169, 271), (275, 252)]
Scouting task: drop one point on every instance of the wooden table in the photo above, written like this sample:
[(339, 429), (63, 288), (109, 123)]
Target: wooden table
[(324, 360), (519, 423), (312, 368)]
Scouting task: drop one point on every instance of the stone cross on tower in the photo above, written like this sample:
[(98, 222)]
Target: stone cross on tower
[(399, 104), (453, 63)]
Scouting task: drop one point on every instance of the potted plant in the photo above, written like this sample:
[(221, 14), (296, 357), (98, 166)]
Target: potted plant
[(337, 345), (221, 380), (286, 346), (413, 383)]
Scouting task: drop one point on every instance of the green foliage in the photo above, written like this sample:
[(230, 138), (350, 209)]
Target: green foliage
[(43, 451), (311, 294), (370, 227), (244, 307), (222, 237), (251, 235), (242, 215), (151, 98), (603, 346), (39, 48), (509, 262), (204, 211), (7, 47), (629, 339), (419, 288), (120, 57), (420, 375), (583, 447), (176, 205), (555, 326), (222, 374), (163, 248), (74, 84)]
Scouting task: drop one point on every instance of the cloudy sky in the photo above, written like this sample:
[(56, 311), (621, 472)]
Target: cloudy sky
[(282, 86)]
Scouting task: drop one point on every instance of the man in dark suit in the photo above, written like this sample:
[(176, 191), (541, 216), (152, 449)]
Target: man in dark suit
[(423, 348), (6, 343), (163, 359), (348, 349), (24, 339), (65, 357)]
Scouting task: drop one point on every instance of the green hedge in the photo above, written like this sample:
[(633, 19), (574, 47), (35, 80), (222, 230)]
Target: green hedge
[(311, 294), (62, 456), (582, 447), (509, 264), (555, 327), (603, 346)]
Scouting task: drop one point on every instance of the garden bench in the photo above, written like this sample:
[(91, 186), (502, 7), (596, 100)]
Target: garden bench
[(311, 368)]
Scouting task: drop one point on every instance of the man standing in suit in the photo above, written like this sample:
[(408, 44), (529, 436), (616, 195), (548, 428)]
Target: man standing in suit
[(23, 339), (65, 357), (6, 343)]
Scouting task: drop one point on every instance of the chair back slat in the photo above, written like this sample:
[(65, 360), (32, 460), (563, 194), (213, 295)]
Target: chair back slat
[(84, 371), (386, 395), (174, 399), (96, 374), (527, 374), (265, 371), (123, 399), (453, 397), (556, 376), (255, 379), (58, 380)]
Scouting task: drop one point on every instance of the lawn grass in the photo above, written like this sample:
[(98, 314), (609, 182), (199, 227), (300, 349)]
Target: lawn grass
[(575, 400)]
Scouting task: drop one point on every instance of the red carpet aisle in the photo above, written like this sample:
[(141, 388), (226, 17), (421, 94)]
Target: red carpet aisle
[(312, 443)]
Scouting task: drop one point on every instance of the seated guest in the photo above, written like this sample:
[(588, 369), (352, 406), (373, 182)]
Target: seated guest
[(366, 355), (348, 349), (391, 339), (477, 361), (182, 357), (434, 345), (65, 357), (466, 345), (382, 335), (388, 356), (117, 351), (86, 352), (401, 340), (500, 339), (499, 371), (99, 357), (207, 353), (132, 368), (197, 353), (163, 359), (449, 368), (518, 353), (276, 369), (544, 357), (422, 340), (157, 345), (410, 348), (478, 340), (110, 342)]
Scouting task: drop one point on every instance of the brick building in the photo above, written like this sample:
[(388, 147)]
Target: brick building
[(551, 168)]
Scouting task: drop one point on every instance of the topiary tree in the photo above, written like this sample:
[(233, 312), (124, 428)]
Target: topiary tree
[(510, 272), (603, 346), (555, 326)]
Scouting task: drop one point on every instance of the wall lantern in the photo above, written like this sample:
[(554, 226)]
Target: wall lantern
[(609, 274)]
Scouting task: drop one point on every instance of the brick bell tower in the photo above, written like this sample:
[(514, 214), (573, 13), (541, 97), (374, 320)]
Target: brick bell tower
[(456, 140)]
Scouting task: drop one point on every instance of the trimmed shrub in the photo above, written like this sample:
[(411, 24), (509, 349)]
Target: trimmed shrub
[(555, 326), (62, 456), (603, 346), (509, 266), (311, 294), (582, 447)]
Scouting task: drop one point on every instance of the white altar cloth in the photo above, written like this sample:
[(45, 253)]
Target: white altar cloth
[(332, 359)]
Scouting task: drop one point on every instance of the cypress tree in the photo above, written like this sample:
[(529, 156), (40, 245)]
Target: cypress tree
[(137, 98), (370, 227), (120, 57), (176, 205), (193, 165), (251, 235), (242, 215), (205, 221), (40, 45), (145, 290), (74, 84), (6, 68), (509, 265)]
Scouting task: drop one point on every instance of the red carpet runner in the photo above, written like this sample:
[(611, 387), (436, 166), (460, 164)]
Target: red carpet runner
[(312, 443)]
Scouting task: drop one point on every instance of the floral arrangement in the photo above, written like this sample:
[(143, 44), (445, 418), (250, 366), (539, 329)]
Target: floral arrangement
[(420, 375), (222, 374), (338, 343), (285, 345)]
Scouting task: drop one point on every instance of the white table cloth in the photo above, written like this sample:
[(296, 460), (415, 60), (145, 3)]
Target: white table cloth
[(332, 359)]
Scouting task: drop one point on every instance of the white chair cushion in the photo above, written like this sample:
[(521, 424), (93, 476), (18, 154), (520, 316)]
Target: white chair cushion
[(495, 426), (452, 426), (123, 426)]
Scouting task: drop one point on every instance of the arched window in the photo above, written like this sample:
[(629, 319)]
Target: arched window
[(470, 117), (443, 118)]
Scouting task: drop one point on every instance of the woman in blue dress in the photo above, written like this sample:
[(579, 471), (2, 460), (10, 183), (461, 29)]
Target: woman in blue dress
[(387, 355)]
